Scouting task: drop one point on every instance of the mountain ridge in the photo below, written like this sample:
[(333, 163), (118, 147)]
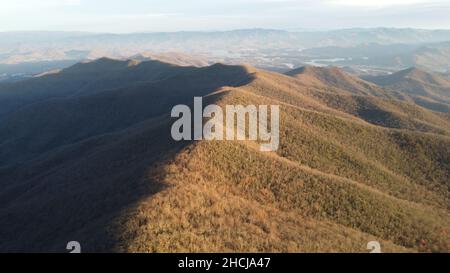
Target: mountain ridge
[(343, 175)]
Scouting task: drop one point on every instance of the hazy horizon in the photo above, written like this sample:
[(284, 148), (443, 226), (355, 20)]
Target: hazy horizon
[(200, 15), (225, 30)]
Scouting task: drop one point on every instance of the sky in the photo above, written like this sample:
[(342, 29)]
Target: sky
[(119, 16)]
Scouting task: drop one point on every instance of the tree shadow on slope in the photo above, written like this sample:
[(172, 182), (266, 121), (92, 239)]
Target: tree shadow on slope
[(76, 191), (74, 194)]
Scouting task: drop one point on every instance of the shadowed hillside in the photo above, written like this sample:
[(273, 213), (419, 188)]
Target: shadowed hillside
[(83, 79), (98, 109), (431, 91), (99, 166)]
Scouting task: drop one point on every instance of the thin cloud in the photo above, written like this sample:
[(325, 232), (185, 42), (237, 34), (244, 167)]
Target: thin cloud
[(375, 3)]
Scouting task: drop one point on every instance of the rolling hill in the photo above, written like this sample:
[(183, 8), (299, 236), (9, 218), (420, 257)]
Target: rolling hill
[(430, 90), (92, 160), (326, 77)]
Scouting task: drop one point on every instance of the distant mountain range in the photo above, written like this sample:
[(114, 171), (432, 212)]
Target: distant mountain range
[(366, 51), (431, 56), (86, 155), (235, 39)]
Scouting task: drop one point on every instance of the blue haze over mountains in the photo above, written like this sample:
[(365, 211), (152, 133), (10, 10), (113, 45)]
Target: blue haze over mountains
[(360, 51)]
